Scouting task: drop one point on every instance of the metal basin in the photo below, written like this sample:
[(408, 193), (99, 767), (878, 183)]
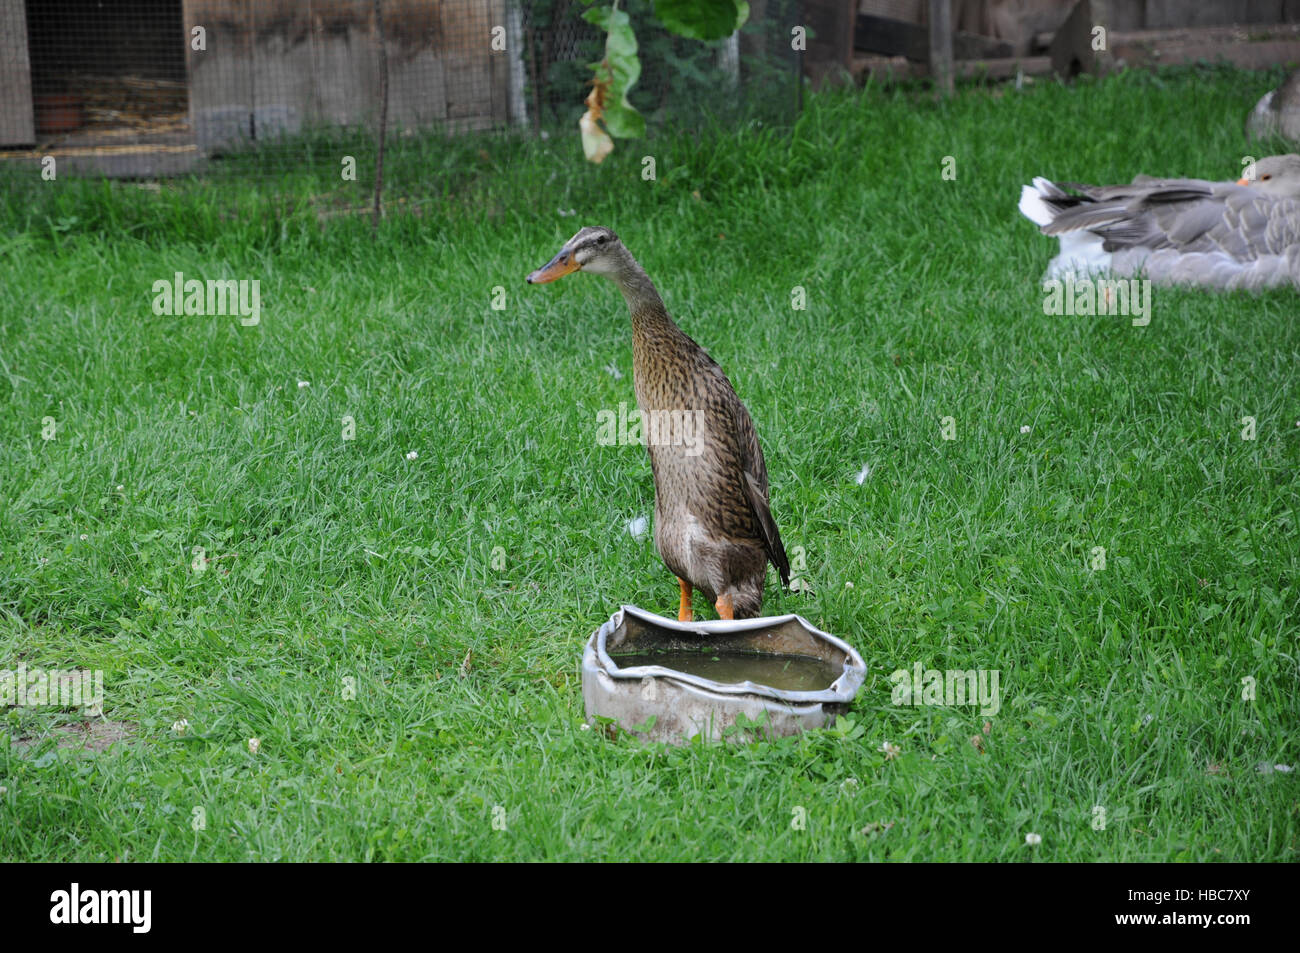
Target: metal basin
[(684, 704)]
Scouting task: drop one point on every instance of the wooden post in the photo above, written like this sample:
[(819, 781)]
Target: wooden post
[(829, 56), (17, 120), (383, 119), (941, 45)]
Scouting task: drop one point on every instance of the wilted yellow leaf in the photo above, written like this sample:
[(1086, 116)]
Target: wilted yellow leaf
[(596, 143)]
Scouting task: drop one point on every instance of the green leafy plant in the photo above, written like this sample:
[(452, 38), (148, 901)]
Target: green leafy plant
[(645, 727), (702, 19), (609, 113), (744, 724), (616, 74)]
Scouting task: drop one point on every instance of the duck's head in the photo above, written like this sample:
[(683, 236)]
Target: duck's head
[(595, 249), (1278, 176)]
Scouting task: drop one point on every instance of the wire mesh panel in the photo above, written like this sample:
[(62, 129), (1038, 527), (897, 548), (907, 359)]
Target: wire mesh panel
[(264, 89), (96, 82)]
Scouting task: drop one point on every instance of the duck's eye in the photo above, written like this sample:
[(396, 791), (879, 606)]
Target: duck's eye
[(1265, 178)]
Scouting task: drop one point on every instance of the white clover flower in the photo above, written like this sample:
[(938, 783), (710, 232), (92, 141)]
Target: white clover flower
[(84, 536), (180, 727), (1025, 428), (412, 455), (302, 384), (637, 527), (254, 744), (120, 489), (891, 751), (1033, 840)]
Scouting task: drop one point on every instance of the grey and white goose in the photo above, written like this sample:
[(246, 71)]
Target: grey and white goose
[(1243, 234)]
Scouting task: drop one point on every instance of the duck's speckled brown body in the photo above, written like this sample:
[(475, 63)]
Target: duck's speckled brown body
[(713, 526)]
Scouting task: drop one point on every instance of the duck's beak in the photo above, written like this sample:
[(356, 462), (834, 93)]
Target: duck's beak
[(559, 266)]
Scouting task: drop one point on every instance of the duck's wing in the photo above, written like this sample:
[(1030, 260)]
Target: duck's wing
[(753, 469), (754, 479), (771, 535)]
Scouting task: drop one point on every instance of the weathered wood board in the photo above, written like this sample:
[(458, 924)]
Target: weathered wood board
[(278, 66), (17, 121)]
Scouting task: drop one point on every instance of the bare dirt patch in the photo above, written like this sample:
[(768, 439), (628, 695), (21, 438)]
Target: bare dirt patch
[(93, 735)]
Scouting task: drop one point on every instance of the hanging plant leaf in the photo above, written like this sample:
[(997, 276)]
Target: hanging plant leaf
[(596, 143), (615, 75), (702, 19)]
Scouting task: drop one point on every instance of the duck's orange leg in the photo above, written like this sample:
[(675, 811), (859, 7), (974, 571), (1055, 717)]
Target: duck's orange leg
[(726, 610), (684, 613)]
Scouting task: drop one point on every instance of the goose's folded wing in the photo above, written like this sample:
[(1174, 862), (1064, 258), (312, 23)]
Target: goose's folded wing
[(1184, 214), (1175, 231), (1126, 215), (1239, 223)]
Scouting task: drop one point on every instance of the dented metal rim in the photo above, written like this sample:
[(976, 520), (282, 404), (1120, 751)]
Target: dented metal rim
[(841, 691)]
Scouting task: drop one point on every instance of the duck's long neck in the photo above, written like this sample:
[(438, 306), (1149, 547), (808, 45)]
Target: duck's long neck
[(643, 301), (660, 348)]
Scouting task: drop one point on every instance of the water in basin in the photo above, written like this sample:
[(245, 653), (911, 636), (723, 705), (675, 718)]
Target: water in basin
[(791, 673)]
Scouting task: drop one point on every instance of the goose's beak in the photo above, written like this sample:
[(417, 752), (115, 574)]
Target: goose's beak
[(559, 266), (1243, 181)]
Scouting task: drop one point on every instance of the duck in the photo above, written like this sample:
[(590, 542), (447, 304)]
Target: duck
[(713, 524), (1223, 235)]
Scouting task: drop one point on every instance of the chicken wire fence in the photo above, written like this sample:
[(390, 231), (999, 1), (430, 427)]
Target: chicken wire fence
[(271, 89)]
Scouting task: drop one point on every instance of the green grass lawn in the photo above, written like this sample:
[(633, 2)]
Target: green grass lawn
[(338, 565)]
